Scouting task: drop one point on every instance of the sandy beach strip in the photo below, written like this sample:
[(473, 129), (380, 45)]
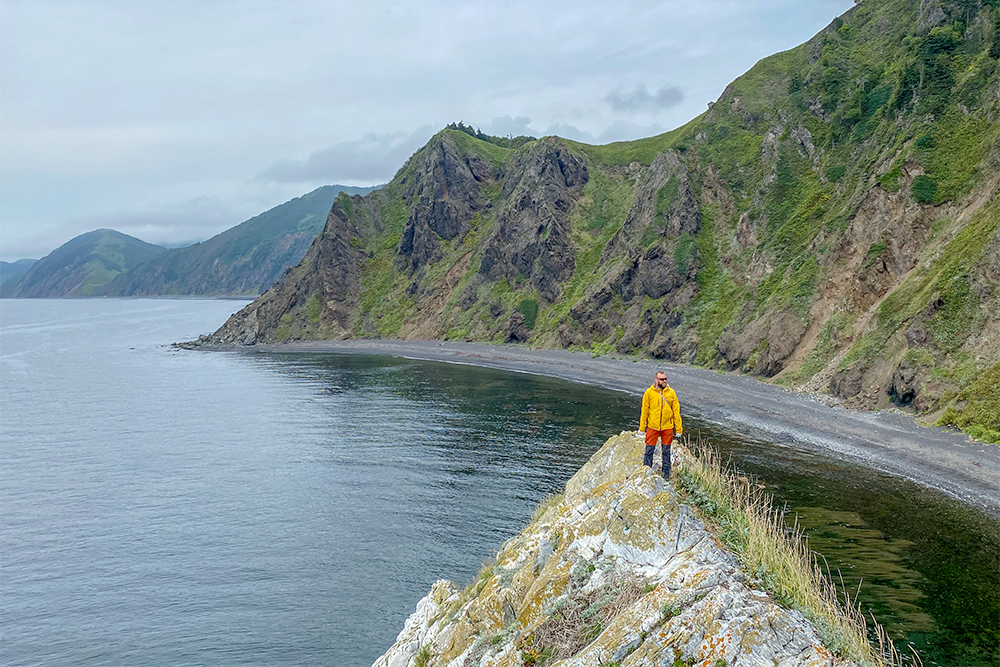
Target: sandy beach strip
[(888, 441)]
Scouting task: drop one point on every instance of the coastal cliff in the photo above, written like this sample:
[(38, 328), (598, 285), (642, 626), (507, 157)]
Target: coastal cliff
[(831, 223), (617, 571)]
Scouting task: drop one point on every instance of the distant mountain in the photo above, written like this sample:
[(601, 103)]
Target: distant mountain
[(11, 270), (82, 266), (245, 259)]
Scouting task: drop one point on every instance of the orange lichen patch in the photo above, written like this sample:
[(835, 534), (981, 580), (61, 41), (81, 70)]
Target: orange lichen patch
[(714, 648), (510, 658), (698, 578), (523, 579)]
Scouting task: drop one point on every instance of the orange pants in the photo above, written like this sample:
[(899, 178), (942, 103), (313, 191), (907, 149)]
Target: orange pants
[(666, 437)]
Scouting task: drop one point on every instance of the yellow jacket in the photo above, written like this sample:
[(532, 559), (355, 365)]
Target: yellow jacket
[(661, 410)]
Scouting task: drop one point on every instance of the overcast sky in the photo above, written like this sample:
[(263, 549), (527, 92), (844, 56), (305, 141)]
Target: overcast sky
[(173, 121)]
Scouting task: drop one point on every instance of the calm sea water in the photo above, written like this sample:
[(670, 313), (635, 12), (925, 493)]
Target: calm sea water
[(167, 507)]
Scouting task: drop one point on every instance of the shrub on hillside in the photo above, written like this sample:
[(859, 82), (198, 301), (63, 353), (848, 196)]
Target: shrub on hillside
[(924, 189), (529, 308)]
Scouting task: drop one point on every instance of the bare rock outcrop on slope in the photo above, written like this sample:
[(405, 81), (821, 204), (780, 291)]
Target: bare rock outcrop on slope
[(325, 286), (617, 572), (532, 236), (443, 195)]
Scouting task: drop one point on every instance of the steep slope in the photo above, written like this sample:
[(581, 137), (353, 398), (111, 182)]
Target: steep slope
[(245, 259), (830, 222), (11, 270), (82, 266)]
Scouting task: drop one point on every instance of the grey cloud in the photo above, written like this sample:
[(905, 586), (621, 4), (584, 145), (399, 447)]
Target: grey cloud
[(570, 132), (372, 159), (624, 131), (640, 99), (503, 126)]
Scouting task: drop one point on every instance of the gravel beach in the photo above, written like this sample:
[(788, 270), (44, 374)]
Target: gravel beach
[(890, 441)]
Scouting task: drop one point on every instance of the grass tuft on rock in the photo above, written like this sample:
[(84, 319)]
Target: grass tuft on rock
[(779, 557)]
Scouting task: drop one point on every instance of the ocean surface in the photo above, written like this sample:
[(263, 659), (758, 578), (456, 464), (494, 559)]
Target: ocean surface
[(169, 507)]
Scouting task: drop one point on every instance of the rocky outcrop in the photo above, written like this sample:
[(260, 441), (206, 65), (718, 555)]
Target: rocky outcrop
[(531, 241), (443, 194), (324, 288), (664, 201), (618, 571), (763, 346)]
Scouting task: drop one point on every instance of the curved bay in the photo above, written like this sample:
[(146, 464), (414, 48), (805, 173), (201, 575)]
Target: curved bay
[(166, 507)]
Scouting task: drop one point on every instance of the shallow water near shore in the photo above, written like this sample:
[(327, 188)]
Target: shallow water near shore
[(166, 507)]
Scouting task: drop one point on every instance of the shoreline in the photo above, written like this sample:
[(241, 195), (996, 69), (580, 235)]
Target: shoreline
[(890, 442)]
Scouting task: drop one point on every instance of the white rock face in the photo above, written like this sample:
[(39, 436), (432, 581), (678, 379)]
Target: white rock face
[(617, 572)]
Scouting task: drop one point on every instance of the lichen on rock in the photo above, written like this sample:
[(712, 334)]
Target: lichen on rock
[(618, 570)]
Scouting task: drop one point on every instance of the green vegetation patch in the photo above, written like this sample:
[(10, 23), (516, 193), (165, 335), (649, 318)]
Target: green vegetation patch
[(959, 145), (924, 188), (314, 307), (685, 251), (835, 173), (643, 151), (604, 195), (980, 415), (719, 297), (665, 196), (529, 308)]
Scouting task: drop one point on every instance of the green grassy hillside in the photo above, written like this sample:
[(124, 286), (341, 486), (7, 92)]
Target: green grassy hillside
[(82, 266), (830, 223)]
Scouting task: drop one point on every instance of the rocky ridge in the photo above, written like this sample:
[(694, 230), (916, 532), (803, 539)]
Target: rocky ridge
[(617, 571)]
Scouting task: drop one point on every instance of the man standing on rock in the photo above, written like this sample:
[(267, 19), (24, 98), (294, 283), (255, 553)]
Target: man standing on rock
[(660, 419)]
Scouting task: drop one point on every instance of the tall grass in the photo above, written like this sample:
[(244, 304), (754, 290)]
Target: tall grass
[(780, 557)]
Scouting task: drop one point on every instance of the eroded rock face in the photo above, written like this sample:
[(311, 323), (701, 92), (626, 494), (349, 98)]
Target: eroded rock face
[(882, 243), (680, 212), (617, 572), (763, 346), (532, 236), (329, 273), (444, 195)]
